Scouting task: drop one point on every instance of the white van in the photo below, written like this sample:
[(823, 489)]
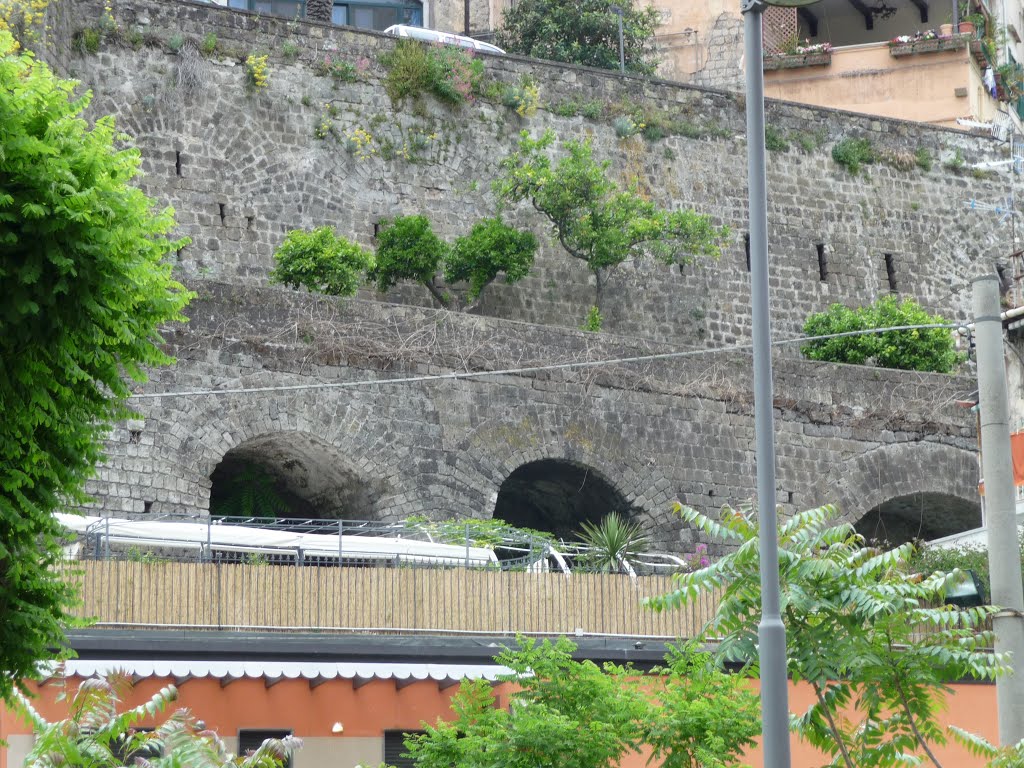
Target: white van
[(446, 38)]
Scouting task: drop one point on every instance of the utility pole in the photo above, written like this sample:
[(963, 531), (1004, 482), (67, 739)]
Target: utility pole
[(1000, 507)]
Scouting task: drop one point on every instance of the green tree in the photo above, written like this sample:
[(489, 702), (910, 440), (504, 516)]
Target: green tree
[(925, 349), (490, 249), (584, 32), (321, 261), (96, 734), (85, 289), (596, 221), (876, 645), (408, 250), (569, 714)]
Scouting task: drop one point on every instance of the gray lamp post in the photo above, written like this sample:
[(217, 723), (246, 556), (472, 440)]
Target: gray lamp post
[(622, 51), (771, 632)]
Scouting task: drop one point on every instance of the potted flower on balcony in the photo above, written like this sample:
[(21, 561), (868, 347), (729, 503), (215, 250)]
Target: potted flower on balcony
[(925, 42), (1009, 82), (806, 54)]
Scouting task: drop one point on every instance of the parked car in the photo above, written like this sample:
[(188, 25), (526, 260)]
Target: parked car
[(445, 38)]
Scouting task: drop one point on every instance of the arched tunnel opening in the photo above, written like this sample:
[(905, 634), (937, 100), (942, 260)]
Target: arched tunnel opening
[(290, 474), (557, 496), (924, 516)]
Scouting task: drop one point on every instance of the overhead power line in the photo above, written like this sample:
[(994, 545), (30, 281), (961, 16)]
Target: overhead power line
[(576, 365)]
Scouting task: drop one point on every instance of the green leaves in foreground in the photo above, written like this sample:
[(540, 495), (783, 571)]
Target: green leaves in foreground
[(98, 734), (875, 642), (574, 714), (86, 287)]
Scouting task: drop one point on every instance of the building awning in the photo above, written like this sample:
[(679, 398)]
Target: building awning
[(273, 672)]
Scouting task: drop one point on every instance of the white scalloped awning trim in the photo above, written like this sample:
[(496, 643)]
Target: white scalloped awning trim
[(179, 668)]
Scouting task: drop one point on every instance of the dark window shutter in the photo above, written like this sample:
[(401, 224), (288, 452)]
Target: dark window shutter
[(394, 748), (251, 739)]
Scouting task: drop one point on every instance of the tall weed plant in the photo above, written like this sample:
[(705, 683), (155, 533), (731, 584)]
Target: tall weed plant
[(451, 75)]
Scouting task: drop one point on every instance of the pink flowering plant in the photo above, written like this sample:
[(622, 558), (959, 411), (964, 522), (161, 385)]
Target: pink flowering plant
[(797, 48), (451, 74), (699, 559)]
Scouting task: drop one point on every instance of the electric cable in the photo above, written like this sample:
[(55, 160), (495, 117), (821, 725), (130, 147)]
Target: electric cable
[(581, 364)]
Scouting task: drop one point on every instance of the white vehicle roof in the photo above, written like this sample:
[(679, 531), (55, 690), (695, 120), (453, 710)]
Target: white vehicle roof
[(447, 38), (240, 538)]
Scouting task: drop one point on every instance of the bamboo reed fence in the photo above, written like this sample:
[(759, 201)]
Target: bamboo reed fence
[(126, 593)]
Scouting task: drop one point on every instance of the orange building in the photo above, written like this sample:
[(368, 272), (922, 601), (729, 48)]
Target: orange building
[(350, 699)]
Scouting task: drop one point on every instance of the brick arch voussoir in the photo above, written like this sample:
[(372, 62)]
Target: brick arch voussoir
[(216, 431), (891, 471)]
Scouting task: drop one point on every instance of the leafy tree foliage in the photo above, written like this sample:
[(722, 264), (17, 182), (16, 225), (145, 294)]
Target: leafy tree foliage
[(408, 250), (85, 288), (97, 735), (596, 221), (926, 349), (321, 261), (584, 32), (491, 248), (876, 645), (573, 714)]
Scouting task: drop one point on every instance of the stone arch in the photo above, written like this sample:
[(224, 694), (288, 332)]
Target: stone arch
[(297, 437), (929, 487), (923, 515), (494, 451), (558, 496), (312, 477)]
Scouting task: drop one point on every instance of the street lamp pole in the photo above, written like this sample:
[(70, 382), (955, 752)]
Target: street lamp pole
[(771, 631)]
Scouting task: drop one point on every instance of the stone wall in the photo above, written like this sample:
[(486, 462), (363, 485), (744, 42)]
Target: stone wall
[(242, 168), (320, 391)]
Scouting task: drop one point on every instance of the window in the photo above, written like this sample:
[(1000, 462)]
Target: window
[(394, 748), (251, 739), (377, 15)]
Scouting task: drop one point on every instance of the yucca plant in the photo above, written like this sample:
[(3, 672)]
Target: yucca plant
[(96, 735), (875, 643), (612, 542)]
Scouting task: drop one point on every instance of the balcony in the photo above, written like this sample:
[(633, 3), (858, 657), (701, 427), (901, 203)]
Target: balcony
[(924, 77)]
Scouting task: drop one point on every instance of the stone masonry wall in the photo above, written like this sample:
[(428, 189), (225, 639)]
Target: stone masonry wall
[(243, 168), (657, 431)]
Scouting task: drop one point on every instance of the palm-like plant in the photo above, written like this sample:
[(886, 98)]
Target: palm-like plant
[(612, 542), (876, 644), (96, 735)]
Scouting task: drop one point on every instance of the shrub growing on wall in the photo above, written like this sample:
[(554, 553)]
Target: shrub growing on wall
[(917, 349), (596, 220), (409, 251), (321, 261)]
